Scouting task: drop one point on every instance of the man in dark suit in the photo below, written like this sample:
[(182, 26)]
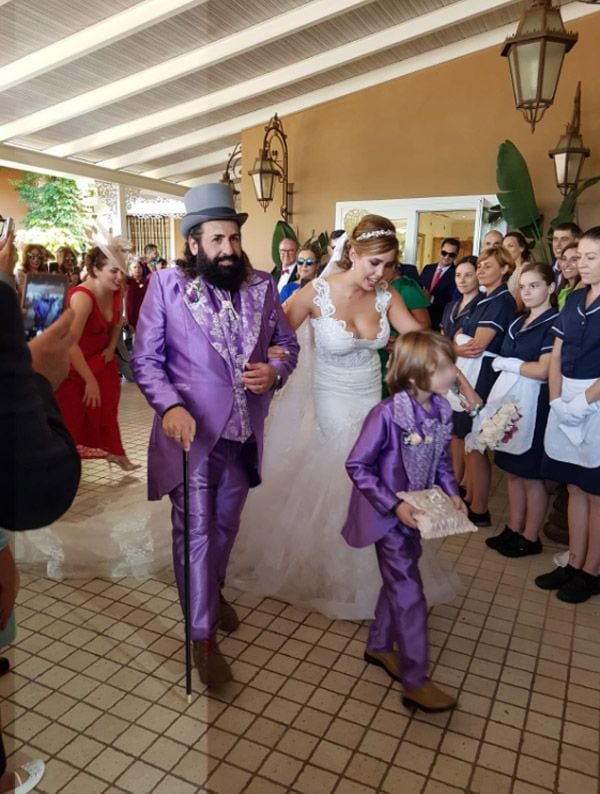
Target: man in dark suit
[(288, 250), (438, 280), (39, 465)]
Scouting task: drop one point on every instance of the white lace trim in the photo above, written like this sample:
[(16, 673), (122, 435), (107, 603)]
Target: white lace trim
[(322, 300)]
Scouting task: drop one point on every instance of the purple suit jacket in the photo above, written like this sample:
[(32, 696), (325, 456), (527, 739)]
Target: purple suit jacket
[(175, 362), (382, 462)]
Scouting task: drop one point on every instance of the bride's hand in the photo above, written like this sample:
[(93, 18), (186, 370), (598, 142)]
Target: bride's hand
[(277, 353)]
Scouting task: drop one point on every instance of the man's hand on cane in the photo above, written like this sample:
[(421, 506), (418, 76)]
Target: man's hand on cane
[(180, 425)]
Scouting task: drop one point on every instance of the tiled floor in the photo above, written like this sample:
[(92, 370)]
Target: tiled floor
[(97, 687)]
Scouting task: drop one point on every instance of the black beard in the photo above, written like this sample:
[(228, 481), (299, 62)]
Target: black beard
[(229, 277)]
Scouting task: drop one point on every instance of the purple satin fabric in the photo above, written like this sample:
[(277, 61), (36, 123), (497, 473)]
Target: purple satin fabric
[(218, 489), (175, 362), (401, 611)]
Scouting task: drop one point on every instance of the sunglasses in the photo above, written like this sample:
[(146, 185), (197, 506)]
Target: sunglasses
[(448, 254), (308, 262), (34, 256)]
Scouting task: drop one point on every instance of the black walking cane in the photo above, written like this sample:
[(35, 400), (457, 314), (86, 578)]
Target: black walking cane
[(186, 575)]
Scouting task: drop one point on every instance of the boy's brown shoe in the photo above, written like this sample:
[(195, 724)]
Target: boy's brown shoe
[(429, 698), (388, 660)]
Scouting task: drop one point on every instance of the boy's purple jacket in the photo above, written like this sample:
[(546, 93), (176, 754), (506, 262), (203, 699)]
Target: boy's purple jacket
[(383, 462), (180, 358)]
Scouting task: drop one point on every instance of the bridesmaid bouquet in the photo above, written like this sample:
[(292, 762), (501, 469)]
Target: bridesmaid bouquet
[(440, 518), (495, 430)]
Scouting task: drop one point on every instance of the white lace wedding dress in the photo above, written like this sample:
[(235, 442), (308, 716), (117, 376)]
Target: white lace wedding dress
[(289, 545)]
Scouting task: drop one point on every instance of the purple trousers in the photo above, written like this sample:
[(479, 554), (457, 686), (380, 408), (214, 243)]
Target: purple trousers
[(401, 611), (218, 490)]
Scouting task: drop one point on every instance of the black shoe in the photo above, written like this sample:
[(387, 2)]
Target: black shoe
[(495, 541), (556, 578), (518, 546), (579, 588), (4, 665), (480, 519)]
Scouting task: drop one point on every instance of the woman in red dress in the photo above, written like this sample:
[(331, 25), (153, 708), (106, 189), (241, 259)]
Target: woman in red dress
[(89, 398)]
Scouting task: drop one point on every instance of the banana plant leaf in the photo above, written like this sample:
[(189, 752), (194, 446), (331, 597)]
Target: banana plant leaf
[(566, 211), (282, 230), (323, 240), (516, 196)]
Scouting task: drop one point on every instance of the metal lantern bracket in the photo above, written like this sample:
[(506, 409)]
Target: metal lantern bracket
[(233, 170)]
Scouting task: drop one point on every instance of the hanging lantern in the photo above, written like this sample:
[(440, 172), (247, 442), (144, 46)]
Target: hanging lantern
[(535, 56), (570, 152)]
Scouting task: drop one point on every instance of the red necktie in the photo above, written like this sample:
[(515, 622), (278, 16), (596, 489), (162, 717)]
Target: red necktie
[(436, 277), (286, 270)]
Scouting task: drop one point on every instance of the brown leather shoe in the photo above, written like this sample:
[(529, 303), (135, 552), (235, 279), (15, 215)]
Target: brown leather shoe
[(388, 660), (212, 666), (428, 698), (228, 619)]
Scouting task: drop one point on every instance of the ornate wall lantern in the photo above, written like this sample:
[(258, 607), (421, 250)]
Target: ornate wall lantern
[(270, 167), (570, 152)]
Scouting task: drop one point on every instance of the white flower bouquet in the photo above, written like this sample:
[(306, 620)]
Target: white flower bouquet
[(440, 518), (496, 430)]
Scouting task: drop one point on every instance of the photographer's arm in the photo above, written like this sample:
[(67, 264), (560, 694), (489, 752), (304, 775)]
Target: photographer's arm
[(39, 466)]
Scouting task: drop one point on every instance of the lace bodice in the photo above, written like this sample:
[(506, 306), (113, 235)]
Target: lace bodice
[(334, 343)]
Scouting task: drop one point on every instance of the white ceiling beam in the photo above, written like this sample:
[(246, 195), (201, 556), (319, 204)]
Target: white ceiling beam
[(358, 49), (101, 34), (200, 58), (30, 160), (202, 180), (304, 101), (301, 70)]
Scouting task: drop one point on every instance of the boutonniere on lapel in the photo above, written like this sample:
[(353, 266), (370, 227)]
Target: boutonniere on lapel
[(192, 292), (414, 439)]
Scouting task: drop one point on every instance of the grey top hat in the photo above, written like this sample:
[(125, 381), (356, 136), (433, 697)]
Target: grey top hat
[(211, 202)]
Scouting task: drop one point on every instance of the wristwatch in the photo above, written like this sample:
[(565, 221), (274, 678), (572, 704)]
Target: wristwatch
[(278, 383)]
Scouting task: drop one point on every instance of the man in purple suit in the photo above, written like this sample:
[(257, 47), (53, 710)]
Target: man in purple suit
[(201, 360)]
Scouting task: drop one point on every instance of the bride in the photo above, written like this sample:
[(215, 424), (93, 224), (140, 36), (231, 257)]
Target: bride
[(289, 545)]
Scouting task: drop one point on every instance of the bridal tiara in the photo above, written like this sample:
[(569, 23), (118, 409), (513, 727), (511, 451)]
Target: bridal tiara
[(375, 233)]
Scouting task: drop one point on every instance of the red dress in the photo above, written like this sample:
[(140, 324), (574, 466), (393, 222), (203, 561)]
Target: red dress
[(94, 430)]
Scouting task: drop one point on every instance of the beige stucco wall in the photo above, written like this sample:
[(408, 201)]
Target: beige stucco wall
[(432, 133)]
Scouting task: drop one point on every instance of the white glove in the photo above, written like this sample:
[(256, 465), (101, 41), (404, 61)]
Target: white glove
[(579, 408), (500, 364), (561, 409)]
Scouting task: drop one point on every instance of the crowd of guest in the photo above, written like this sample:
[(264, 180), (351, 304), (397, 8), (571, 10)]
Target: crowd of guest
[(513, 324)]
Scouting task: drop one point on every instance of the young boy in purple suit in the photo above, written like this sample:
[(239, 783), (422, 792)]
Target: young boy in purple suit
[(404, 446)]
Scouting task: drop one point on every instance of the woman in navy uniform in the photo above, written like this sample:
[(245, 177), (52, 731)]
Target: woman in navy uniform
[(524, 362), (572, 434), (485, 327), (455, 315)]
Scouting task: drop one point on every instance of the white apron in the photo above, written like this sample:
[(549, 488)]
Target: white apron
[(524, 392), (470, 368), (579, 445)]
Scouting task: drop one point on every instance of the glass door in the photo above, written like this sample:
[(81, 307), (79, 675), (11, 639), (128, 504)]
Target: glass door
[(422, 223)]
